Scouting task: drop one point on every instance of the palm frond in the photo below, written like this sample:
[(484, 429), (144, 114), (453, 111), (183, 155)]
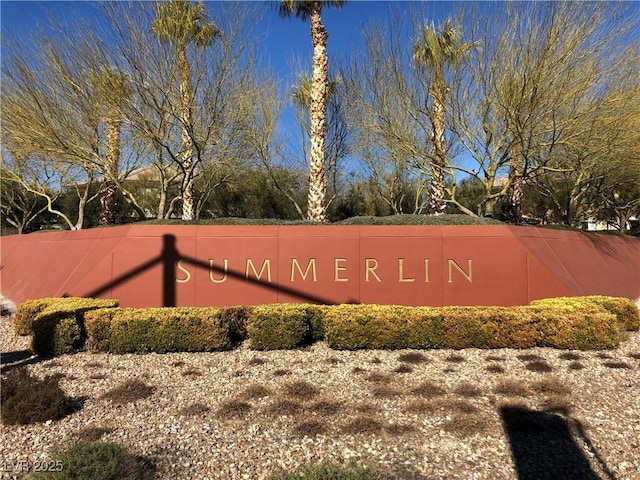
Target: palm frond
[(184, 22), (302, 9), (438, 46)]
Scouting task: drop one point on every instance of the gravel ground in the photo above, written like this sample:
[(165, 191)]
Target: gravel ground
[(469, 414)]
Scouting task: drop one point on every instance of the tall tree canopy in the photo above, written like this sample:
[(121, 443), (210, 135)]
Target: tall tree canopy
[(434, 51), (183, 23), (316, 205)]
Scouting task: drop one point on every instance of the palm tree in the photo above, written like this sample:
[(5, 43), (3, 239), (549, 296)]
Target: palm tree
[(316, 207), (182, 23), (301, 94), (111, 90), (435, 50)]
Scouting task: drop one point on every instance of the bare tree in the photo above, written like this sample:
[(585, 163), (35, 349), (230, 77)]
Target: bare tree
[(49, 179), (55, 107), (388, 114), (49, 129), (19, 207), (528, 91), (224, 98)]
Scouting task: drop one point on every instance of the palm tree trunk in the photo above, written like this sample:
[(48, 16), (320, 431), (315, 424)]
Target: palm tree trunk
[(438, 91), (187, 142), (108, 201), (316, 208)]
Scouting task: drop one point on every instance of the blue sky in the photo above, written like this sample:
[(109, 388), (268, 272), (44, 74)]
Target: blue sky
[(287, 40), (287, 46)]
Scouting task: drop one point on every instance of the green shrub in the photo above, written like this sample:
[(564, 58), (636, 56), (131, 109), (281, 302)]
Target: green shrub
[(409, 219), (391, 327), (467, 327), (489, 327), (282, 326), (351, 327), (27, 399), (59, 327), (575, 327), (624, 309), (26, 313), (98, 461), (159, 330), (315, 315), (236, 319), (56, 334)]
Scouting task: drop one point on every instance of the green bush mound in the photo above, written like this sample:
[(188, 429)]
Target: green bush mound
[(403, 219), (58, 328), (350, 327), (27, 399), (99, 460), (26, 313), (575, 327), (285, 326), (65, 325), (162, 330), (624, 309)]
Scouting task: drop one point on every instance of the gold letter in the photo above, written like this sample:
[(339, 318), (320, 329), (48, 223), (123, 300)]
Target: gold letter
[(266, 264), (337, 269), (186, 272), (426, 270), (401, 272), (453, 263), (370, 266), (212, 269), (311, 265)]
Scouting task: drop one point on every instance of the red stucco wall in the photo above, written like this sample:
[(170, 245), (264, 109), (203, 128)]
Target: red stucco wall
[(154, 265)]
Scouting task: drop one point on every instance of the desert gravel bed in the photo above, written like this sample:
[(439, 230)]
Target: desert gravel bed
[(241, 414)]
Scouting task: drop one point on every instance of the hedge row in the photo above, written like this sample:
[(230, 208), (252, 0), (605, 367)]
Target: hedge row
[(285, 326), (66, 325), (160, 330), (351, 327), (624, 309), (56, 325), (29, 310), (202, 329)]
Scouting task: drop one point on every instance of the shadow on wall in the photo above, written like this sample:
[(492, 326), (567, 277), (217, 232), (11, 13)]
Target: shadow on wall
[(603, 243), (543, 447), (169, 258)]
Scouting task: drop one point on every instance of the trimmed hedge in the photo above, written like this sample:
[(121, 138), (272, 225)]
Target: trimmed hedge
[(58, 328), (350, 327), (624, 309), (416, 219), (161, 330), (65, 325), (285, 326), (27, 312), (576, 327)]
